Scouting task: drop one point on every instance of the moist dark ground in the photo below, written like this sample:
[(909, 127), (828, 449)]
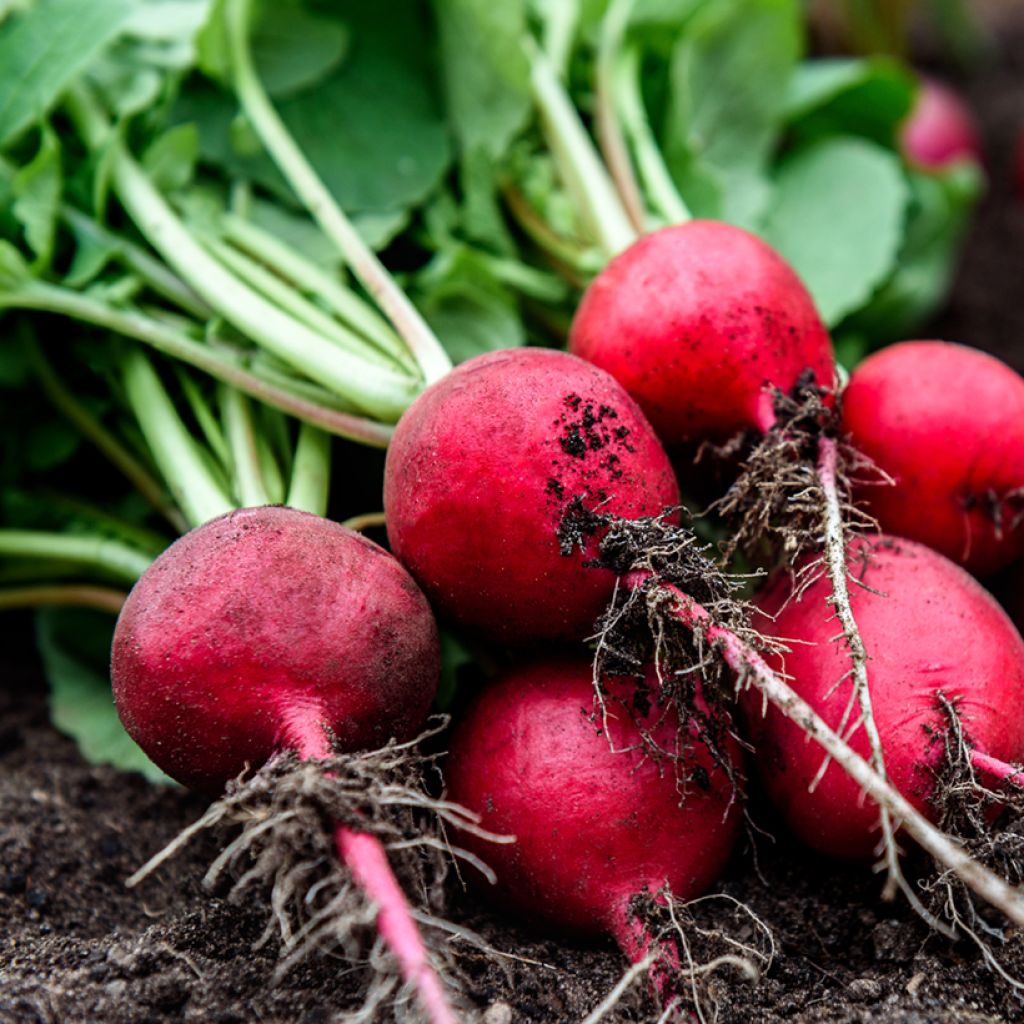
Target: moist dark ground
[(77, 946)]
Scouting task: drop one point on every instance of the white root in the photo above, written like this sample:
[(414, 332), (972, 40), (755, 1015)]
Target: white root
[(752, 669), (834, 536)]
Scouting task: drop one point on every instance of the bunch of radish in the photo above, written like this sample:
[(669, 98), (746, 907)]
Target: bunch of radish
[(530, 502)]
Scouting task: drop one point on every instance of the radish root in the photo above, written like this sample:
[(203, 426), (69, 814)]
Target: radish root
[(341, 841), (837, 514), (752, 670)]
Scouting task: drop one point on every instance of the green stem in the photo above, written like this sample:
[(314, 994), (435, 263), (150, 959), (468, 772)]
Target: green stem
[(109, 556), (660, 188), (376, 391), (217, 363), (245, 456), (365, 521), (73, 509), (294, 303), (573, 261), (68, 595), (200, 408), (609, 128), (306, 276), (560, 20), (311, 469), (299, 173), (91, 428), (136, 259), (174, 449), (579, 164), (270, 469)]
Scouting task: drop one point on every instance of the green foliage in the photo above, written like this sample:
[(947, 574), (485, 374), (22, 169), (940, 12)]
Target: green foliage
[(43, 49), (75, 650), (373, 129), (837, 215), (730, 71)]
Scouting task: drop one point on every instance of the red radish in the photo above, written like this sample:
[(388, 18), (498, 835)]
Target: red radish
[(269, 629), (596, 819), (946, 422), (929, 629), (940, 129), (482, 471), (696, 321)]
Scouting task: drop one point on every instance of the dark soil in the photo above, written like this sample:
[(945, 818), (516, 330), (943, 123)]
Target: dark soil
[(78, 947)]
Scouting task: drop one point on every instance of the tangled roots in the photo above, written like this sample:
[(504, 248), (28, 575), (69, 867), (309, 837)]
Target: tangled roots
[(285, 855)]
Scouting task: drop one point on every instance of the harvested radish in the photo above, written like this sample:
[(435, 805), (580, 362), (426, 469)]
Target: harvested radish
[(697, 322), (481, 474), (946, 423), (935, 641), (598, 820), (940, 130), (267, 630)]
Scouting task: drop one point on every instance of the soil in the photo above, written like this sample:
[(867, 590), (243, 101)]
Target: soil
[(78, 947)]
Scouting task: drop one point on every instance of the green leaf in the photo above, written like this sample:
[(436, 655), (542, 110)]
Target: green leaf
[(468, 307), (486, 71), (294, 48), (730, 73), (374, 130), (171, 158), (940, 208), (75, 650), (38, 186), (92, 255), (837, 215), (841, 96), (45, 48)]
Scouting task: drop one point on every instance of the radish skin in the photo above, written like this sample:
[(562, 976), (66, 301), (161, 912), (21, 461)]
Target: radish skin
[(270, 629), (946, 424), (928, 629), (696, 321), (752, 670), (532, 761), (482, 471), (940, 130)]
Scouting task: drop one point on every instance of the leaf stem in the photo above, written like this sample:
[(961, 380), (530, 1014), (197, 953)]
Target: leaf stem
[(609, 128), (245, 457), (295, 303), (311, 471), (111, 557), (92, 429), (658, 183), (376, 391), (299, 173), (305, 275), (578, 162), (156, 274), (178, 345), (104, 599), (175, 451)]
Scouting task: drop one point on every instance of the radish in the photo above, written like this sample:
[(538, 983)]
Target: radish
[(488, 467), (482, 473), (268, 630), (940, 129), (946, 423), (932, 635), (697, 321), (598, 820)]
